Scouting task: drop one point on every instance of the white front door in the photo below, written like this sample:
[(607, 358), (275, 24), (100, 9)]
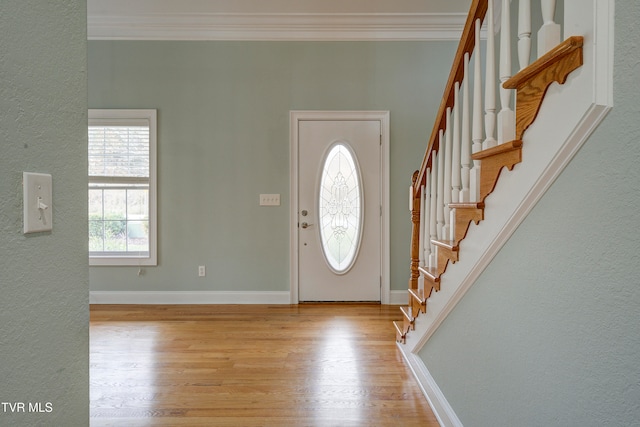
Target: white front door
[(339, 210)]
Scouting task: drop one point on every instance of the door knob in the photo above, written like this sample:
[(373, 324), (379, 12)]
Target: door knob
[(306, 225)]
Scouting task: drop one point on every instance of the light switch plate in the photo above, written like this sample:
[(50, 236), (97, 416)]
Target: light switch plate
[(37, 202), (270, 200)]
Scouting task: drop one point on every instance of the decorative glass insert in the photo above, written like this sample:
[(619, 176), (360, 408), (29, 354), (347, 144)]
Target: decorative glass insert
[(340, 208)]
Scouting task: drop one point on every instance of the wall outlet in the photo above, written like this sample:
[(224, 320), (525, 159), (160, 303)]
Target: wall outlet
[(270, 200), (202, 271)]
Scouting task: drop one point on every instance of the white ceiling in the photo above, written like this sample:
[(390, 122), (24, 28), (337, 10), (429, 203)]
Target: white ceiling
[(276, 19)]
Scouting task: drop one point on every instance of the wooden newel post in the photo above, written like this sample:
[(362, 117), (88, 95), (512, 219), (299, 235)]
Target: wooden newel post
[(415, 232)]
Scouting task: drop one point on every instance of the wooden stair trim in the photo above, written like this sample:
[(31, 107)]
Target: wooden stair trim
[(418, 301), (497, 150), (417, 306), (493, 160), (419, 295), (407, 312), (431, 274), (449, 245), (465, 213), (433, 285), (446, 249), (401, 336), (533, 82), (467, 205), (443, 262)]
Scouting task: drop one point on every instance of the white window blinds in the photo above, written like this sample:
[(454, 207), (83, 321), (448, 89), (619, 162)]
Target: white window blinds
[(119, 151)]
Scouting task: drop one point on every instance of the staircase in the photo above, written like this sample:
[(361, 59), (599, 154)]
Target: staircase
[(464, 160)]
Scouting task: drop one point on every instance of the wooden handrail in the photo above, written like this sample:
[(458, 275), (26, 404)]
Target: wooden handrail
[(467, 43)]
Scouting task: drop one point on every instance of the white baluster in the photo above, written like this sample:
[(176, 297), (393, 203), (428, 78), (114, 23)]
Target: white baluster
[(465, 146), (490, 82), (433, 227), (456, 147), (549, 33), (455, 158), (440, 199), (506, 117), (447, 176), (427, 219), (477, 118), (421, 240), (524, 33), (422, 243)]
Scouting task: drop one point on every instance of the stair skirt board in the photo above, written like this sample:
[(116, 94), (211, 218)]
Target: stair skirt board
[(188, 297)]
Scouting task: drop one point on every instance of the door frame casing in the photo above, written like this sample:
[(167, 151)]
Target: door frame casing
[(296, 116)]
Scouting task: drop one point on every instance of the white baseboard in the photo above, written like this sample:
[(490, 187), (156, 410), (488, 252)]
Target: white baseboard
[(439, 404), (188, 297), (398, 297), (206, 297)]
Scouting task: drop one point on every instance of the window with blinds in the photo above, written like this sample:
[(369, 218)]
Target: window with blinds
[(121, 158), (119, 151)]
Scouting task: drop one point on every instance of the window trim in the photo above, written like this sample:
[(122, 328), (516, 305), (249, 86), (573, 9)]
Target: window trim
[(133, 117)]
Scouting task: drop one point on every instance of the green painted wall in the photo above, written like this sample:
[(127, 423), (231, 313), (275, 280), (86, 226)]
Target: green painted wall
[(44, 277), (223, 114), (549, 334)]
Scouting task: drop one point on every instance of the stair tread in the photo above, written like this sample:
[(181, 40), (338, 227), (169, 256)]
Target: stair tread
[(430, 272), (401, 333), (446, 244), (418, 294), (466, 205), (498, 149), (408, 313), (543, 63), (398, 325)]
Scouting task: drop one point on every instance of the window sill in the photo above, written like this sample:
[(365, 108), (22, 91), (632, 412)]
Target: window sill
[(106, 261)]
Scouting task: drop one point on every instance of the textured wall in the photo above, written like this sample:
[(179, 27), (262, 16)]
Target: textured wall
[(548, 335), (43, 277), (223, 114)]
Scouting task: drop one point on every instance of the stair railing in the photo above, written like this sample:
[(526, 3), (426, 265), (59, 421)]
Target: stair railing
[(466, 123)]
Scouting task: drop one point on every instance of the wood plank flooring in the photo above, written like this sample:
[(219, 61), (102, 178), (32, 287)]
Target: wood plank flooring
[(250, 365)]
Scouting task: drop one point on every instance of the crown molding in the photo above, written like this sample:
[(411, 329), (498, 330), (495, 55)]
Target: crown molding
[(278, 26)]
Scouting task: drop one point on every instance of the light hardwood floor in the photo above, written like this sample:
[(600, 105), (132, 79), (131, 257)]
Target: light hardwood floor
[(250, 365)]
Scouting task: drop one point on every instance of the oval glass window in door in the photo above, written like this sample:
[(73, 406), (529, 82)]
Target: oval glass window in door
[(340, 205)]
